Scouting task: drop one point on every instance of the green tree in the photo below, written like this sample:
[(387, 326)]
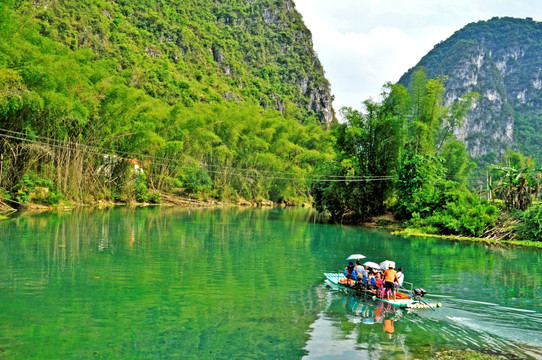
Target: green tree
[(531, 226), (424, 173), (455, 117), (457, 161), (519, 182), (367, 149), (420, 185), (425, 97)]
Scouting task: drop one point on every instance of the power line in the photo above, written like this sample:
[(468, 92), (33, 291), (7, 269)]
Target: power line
[(107, 152), (168, 162)]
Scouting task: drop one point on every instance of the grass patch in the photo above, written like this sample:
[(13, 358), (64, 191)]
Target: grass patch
[(417, 232), (529, 243)]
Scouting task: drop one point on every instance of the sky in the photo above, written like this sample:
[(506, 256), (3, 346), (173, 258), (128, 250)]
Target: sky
[(362, 44)]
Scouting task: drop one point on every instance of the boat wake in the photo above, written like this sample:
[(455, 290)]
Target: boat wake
[(484, 326)]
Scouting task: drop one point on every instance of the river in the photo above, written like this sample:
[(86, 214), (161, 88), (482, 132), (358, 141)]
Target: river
[(176, 283)]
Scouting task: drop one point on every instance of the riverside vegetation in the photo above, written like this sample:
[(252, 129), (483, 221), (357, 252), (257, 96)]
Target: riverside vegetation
[(410, 164), (229, 101), (213, 100)]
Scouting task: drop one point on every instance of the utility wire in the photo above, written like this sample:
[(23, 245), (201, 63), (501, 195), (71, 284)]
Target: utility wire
[(168, 162), (107, 152)]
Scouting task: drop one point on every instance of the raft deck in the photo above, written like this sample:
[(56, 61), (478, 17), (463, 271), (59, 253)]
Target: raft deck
[(405, 300)]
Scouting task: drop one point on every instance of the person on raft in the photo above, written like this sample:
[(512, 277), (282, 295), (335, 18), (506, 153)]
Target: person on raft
[(349, 271), (360, 270), (390, 277), (379, 283), (400, 277)]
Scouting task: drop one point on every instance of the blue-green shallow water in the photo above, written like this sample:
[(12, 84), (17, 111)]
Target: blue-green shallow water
[(165, 283)]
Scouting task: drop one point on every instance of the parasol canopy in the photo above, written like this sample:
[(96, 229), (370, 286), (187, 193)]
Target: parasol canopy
[(386, 264), (356, 257), (372, 265)]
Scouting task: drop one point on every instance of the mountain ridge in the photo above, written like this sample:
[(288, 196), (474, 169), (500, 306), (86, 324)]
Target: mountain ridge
[(501, 59)]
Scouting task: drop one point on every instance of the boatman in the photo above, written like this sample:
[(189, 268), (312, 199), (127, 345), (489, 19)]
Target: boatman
[(390, 277)]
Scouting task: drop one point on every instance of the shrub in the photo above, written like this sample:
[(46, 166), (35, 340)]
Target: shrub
[(198, 181), (531, 226), (171, 183), (465, 214), (33, 188), (142, 193), (141, 190)]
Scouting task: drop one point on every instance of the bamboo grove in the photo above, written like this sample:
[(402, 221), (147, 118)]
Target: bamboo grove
[(88, 91)]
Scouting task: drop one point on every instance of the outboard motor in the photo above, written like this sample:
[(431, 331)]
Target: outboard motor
[(419, 293)]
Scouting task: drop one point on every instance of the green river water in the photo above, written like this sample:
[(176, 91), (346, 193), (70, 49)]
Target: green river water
[(173, 283)]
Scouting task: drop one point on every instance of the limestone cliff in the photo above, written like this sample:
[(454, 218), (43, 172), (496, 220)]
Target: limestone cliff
[(501, 59)]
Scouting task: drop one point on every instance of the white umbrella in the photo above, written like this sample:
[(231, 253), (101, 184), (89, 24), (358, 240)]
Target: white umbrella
[(372, 265), (386, 264), (356, 257)]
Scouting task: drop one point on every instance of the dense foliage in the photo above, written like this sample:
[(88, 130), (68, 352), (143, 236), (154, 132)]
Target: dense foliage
[(220, 99), (400, 155), (517, 181), (528, 132), (434, 168), (531, 226), (367, 149), (417, 170), (460, 213)]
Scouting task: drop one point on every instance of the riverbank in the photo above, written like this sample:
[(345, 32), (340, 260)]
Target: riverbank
[(388, 222), (165, 200), (5, 210), (385, 221), (407, 232)]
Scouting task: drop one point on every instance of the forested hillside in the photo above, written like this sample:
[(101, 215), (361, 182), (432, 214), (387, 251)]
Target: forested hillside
[(217, 98), (501, 59), (399, 155)]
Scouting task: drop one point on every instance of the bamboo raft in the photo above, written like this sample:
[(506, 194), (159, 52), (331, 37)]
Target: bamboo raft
[(403, 300)]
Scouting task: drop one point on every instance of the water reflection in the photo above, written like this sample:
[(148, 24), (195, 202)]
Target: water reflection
[(156, 283), (367, 312), (374, 330), (230, 283), (355, 327)]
